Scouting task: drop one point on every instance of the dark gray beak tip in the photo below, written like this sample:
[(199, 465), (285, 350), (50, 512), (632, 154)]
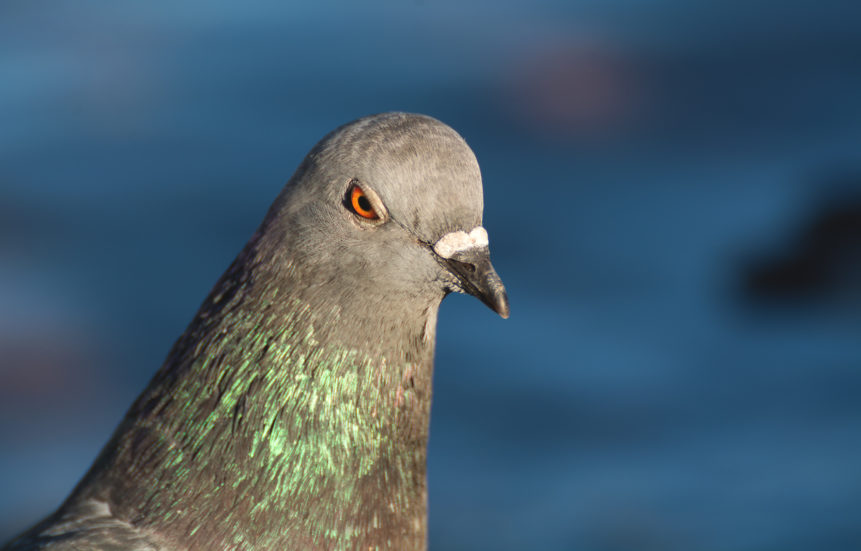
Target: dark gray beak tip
[(478, 278), (498, 300), (503, 309)]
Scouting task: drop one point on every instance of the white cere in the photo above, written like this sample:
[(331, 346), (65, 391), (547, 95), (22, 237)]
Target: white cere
[(458, 241)]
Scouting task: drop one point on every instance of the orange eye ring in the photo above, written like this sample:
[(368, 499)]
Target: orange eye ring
[(361, 205)]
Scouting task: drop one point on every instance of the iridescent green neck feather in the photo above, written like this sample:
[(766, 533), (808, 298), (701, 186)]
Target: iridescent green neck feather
[(253, 435)]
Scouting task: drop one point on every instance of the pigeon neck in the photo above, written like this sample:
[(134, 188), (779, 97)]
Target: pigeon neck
[(262, 432)]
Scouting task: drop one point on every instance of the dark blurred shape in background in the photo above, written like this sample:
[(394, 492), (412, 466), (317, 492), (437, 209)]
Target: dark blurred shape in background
[(820, 260), (682, 366)]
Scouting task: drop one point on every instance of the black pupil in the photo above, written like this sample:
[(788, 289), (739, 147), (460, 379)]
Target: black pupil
[(364, 204)]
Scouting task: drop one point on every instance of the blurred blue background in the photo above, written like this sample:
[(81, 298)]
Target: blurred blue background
[(673, 195)]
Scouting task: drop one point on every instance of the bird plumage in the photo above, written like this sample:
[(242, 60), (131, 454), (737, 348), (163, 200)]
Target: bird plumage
[(293, 413)]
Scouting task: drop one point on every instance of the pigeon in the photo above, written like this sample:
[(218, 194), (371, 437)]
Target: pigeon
[(293, 413)]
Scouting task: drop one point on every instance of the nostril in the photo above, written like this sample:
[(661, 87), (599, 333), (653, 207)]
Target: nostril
[(464, 266)]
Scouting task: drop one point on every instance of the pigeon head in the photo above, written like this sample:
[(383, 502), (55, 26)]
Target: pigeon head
[(384, 216)]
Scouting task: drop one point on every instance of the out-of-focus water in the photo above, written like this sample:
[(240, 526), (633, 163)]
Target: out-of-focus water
[(682, 365)]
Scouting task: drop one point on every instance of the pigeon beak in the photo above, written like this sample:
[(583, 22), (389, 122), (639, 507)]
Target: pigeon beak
[(478, 278)]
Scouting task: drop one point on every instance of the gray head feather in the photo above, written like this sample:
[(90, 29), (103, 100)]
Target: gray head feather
[(427, 182)]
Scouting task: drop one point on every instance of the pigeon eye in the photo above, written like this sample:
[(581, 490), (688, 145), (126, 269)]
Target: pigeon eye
[(360, 204)]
